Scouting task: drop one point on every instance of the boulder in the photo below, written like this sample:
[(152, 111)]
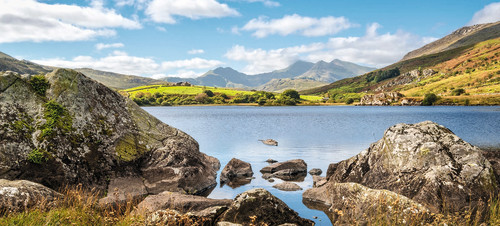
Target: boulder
[(355, 204), (271, 161), (20, 195), (425, 162), (293, 170), (381, 98), (179, 202), (319, 181), (270, 142), (123, 189), (173, 217), (259, 207), (73, 130), (287, 186), (236, 169), (315, 171)]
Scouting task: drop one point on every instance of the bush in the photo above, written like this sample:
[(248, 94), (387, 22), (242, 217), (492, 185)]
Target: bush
[(349, 101), (457, 92), (429, 99), (291, 93), (38, 156), (40, 84), (209, 93)]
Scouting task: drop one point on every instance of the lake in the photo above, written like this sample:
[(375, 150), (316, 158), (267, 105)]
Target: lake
[(319, 135)]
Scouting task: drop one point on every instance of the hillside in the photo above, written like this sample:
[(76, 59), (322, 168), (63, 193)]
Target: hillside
[(300, 75), (464, 36), (475, 69), (118, 81), (8, 63)]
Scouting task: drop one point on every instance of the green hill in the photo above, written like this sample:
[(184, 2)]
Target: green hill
[(8, 63), (118, 81)]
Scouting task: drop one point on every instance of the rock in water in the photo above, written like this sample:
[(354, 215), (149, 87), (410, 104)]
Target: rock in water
[(236, 169), (270, 142), (425, 162), (64, 129), (287, 186), (265, 208), (315, 171), (20, 195), (292, 170)]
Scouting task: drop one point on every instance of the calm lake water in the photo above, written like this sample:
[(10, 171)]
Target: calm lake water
[(319, 135)]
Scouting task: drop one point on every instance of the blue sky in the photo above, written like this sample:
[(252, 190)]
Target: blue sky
[(157, 38)]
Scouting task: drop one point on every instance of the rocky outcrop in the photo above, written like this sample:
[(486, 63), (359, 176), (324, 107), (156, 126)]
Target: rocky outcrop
[(236, 171), (381, 99), (260, 207), (425, 162), (123, 189), (292, 170), (66, 129), (20, 195), (354, 204), (287, 186), (411, 77)]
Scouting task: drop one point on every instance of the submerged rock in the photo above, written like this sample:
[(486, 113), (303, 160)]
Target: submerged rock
[(287, 186), (20, 195), (425, 162), (66, 129), (271, 161), (315, 171), (263, 207), (236, 170)]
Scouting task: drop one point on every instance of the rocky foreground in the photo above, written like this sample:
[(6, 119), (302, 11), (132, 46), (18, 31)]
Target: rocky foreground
[(64, 130)]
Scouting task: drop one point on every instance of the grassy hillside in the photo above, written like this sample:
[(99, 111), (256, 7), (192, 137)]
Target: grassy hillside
[(118, 81), (280, 85), (162, 95), (474, 68), (8, 63)]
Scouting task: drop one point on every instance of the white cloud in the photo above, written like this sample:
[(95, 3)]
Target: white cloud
[(196, 51), (259, 60), (101, 46), (121, 62), (371, 49), (29, 20), (267, 3), (194, 63), (163, 11), (296, 24), (162, 29), (490, 13)]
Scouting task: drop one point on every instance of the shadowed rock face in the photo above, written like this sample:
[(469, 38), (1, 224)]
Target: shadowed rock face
[(234, 170), (80, 131), (425, 162), (292, 170)]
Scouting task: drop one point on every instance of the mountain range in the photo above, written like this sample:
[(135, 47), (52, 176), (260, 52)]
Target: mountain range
[(300, 75), (467, 60)]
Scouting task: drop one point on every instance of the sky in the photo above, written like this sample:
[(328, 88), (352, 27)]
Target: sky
[(186, 38)]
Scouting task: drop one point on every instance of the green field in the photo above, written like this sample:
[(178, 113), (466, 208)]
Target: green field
[(186, 95)]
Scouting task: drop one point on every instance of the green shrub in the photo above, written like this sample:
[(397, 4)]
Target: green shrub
[(457, 92), (349, 101), (209, 93), (291, 93), (429, 99), (57, 117), (38, 156), (39, 84)]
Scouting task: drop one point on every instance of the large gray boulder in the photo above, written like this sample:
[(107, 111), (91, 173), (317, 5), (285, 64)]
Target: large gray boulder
[(236, 171), (425, 162), (355, 204), (20, 195), (264, 208), (79, 131)]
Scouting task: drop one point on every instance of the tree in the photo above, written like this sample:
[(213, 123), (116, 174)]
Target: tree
[(209, 93), (291, 93), (457, 92), (429, 99)]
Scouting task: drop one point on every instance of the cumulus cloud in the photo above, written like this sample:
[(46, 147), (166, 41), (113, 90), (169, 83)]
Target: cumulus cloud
[(196, 51), (101, 46), (371, 49), (29, 20), (490, 13), (296, 24), (267, 3), (163, 11), (121, 62)]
